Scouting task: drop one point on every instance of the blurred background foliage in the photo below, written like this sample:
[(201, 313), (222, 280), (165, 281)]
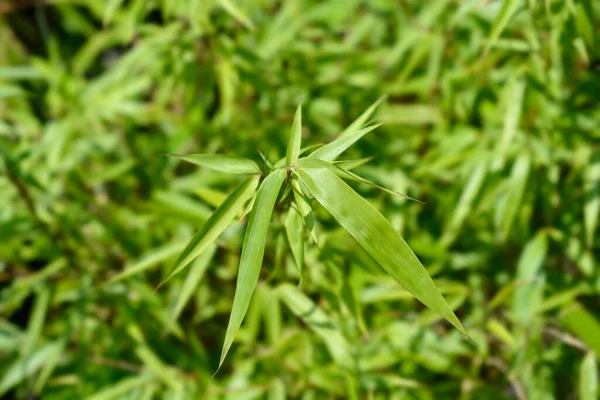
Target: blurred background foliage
[(492, 119)]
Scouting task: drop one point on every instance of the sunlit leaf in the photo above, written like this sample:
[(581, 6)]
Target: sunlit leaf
[(332, 150), (294, 231), (318, 321), (253, 250), (221, 163), (588, 377), (375, 234), (216, 224), (293, 148)]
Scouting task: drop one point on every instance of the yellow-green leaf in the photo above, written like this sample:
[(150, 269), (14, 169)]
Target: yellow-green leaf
[(377, 236), (216, 224), (293, 149), (253, 250), (221, 163)]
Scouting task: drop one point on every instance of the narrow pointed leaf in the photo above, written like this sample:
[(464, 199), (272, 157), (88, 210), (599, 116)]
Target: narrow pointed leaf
[(303, 203), (377, 236), (293, 230), (248, 208), (122, 387), (528, 293), (293, 149), (330, 151), (351, 164), (253, 250), (344, 174), (588, 378), (318, 321), (25, 367), (281, 162), (591, 208), (221, 163), (465, 203), (191, 281), (149, 260), (359, 122), (509, 7), (583, 324), (216, 224), (236, 13)]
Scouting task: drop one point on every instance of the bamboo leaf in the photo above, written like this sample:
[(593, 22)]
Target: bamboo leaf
[(591, 209), (330, 151), (192, 279), (216, 224), (377, 236), (359, 122), (528, 293), (465, 203), (509, 7), (253, 250), (294, 229), (236, 13), (149, 260), (351, 164), (122, 387), (293, 149), (583, 324), (221, 163), (518, 180), (588, 378), (344, 174), (26, 367), (305, 209), (304, 308)]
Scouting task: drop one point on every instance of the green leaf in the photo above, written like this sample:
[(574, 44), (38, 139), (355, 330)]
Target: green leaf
[(253, 250), (216, 224), (344, 174), (166, 374), (293, 149), (111, 7), (236, 13), (351, 164), (359, 122), (583, 324), (294, 230), (330, 151), (282, 161), (122, 387), (305, 209), (512, 119), (26, 367), (591, 188), (36, 321), (149, 260), (304, 308), (221, 163), (465, 203), (192, 279), (377, 236), (517, 183), (588, 378), (509, 7), (528, 293)]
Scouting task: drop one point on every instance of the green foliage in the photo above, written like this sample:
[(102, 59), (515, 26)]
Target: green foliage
[(304, 261)]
